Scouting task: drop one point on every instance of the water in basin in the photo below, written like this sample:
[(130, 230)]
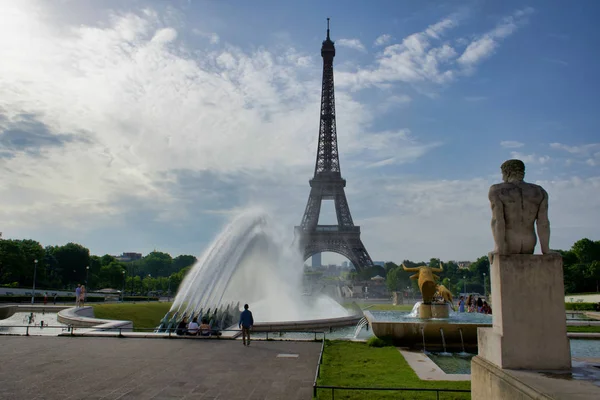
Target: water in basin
[(17, 323), (455, 317)]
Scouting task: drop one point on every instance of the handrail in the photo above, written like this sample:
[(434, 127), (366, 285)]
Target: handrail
[(318, 371), (437, 391), (71, 329)]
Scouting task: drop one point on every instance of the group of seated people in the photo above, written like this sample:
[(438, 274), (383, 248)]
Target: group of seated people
[(472, 305), (195, 329)]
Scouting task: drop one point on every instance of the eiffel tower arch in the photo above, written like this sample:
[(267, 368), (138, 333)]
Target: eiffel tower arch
[(328, 184)]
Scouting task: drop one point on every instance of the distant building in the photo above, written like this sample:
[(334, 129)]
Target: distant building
[(127, 257), (316, 260), (463, 264), (345, 264), (380, 263)]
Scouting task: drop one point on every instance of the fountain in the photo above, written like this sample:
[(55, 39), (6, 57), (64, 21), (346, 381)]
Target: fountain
[(249, 262), (429, 318)]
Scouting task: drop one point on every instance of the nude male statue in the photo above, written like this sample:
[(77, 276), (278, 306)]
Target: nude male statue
[(516, 205)]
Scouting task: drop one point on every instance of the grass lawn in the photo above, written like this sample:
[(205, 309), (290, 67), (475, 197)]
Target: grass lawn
[(357, 364), (590, 329), (144, 315)]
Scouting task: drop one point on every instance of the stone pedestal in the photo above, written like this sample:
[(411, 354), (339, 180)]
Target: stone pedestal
[(489, 382), (434, 311), (529, 325)]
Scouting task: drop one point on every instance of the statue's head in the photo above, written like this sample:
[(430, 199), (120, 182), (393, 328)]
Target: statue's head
[(513, 171)]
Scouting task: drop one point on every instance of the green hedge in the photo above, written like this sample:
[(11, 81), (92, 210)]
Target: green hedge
[(40, 299), (140, 298), (580, 306)]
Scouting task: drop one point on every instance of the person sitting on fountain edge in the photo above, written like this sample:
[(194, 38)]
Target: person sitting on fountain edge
[(246, 322), (205, 329), (193, 327)]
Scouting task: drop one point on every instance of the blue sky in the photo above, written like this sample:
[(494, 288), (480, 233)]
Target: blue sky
[(130, 126)]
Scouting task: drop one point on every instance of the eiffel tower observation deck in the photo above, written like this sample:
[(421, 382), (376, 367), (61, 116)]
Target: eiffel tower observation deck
[(328, 184)]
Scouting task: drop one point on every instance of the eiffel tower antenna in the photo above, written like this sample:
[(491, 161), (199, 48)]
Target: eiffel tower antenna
[(328, 184)]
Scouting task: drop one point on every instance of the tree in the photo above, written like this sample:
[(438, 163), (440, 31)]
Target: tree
[(157, 264), (183, 261), (592, 272), (12, 261), (586, 250), (397, 279), (72, 259), (389, 266), (111, 275)]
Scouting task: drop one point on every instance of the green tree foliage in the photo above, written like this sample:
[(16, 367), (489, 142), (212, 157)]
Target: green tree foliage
[(61, 267), (72, 258), (183, 261), (586, 250), (581, 267), (111, 275), (157, 264)]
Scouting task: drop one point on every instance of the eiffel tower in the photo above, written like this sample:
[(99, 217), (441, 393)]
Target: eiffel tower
[(328, 184)]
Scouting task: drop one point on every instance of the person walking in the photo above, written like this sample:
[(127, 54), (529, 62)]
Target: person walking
[(246, 322), (78, 295)]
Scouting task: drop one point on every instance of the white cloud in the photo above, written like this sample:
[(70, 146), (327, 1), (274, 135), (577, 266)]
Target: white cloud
[(425, 58), (584, 149), (382, 40), (211, 36), (146, 108), (511, 144), (170, 139), (449, 213), (530, 158), (588, 154), (351, 44), (485, 46)]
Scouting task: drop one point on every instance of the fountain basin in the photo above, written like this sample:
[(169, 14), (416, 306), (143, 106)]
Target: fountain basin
[(307, 325), (410, 332)]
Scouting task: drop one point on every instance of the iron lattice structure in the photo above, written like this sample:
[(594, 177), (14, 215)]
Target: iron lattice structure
[(328, 184)]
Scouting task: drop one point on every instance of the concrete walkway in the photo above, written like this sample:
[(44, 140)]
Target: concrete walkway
[(427, 370), (112, 368)]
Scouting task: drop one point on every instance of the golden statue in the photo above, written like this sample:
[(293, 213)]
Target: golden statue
[(429, 290), (445, 294), (427, 279)]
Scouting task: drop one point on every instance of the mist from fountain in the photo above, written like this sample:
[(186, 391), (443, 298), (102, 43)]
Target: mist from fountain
[(251, 261)]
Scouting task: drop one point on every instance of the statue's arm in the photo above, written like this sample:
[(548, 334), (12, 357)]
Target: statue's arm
[(498, 223), (543, 224)]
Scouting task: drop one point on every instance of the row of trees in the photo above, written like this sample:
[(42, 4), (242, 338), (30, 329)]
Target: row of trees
[(581, 272), (582, 267), (62, 267)]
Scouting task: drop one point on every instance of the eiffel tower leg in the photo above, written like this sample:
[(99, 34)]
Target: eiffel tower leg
[(342, 210), (313, 210)]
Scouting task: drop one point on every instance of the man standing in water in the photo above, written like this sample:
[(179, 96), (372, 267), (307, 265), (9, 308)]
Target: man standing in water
[(246, 322)]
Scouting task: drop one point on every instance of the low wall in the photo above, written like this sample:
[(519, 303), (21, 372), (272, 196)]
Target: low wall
[(582, 298), (83, 317), (315, 324)]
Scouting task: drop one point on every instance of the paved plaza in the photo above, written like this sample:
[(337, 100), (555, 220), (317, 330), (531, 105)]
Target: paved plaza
[(113, 368)]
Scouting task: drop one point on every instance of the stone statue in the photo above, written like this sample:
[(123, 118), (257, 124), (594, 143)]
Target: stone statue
[(427, 278), (516, 205)]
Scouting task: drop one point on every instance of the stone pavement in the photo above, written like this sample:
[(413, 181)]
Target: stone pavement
[(113, 368)]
